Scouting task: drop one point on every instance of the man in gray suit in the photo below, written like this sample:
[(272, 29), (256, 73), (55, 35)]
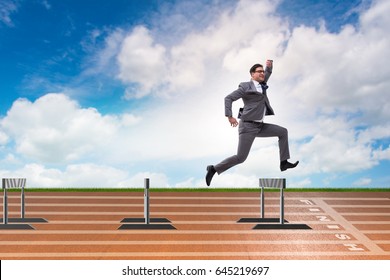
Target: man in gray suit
[(256, 106)]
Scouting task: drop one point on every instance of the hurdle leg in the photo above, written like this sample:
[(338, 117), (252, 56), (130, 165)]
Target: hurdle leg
[(5, 210), (146, 202), (281, 206), (22, 206), (262, 202)]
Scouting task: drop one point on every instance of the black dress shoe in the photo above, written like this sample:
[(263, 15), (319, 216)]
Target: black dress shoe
[(284, 165), (210, 173)]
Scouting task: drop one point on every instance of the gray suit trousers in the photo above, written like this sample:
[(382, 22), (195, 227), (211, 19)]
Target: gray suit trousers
[(247, 134)]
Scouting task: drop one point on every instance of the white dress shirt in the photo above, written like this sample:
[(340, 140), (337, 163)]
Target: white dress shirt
[(259, 89)]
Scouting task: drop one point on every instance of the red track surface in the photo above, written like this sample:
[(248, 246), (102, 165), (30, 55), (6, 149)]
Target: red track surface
[(84, 225)]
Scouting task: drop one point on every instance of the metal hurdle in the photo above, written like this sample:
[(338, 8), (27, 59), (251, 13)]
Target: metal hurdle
[(272, 223), (147, 222), (13, 183), (19, 183)]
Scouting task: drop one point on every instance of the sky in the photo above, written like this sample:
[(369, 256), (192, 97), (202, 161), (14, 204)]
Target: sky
[(106, 93)]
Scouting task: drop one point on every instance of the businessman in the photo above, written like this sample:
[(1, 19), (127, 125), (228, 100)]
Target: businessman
[(252, 125)]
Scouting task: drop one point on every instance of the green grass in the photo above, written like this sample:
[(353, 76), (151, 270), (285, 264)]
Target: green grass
[(202, 190)]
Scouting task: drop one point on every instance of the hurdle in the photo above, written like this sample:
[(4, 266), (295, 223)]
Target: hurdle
[(146, 222), (20, 183), (272, 223), (13, 183)]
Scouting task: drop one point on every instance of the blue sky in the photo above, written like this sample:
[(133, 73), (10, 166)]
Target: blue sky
[(105, 93)]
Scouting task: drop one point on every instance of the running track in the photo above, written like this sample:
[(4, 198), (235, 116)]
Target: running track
[(82, 225)]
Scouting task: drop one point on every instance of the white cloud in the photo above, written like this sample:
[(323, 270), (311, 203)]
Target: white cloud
[(55, 129), (338, 73), (302, 184), (141, 61), (7, 8), (129, 119), (382, 154), (196, 60), (46, 4), (375, 21), (378, 132), (84, 175), (104, 60), (363, 182), (3, 138), (335, 148), (10, 159)]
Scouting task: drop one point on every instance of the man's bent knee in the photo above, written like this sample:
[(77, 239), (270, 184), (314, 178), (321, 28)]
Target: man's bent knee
[(241, 159)]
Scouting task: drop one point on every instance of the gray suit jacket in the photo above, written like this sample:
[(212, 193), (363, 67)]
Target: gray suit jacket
[(254, 101)]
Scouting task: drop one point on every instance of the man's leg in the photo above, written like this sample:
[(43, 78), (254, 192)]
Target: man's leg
[(245, 141), (272, 130), (246, 136)]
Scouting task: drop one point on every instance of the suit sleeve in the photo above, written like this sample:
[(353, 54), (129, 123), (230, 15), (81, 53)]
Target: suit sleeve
[(229, 99), (267, 74)]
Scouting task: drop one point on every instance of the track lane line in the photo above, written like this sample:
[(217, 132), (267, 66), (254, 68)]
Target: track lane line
[(372, 246)]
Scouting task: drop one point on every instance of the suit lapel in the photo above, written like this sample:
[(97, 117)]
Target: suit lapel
[(270, 111), (252, 86)]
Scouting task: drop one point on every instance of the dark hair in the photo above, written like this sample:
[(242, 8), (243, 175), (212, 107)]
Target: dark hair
[(254, 67)]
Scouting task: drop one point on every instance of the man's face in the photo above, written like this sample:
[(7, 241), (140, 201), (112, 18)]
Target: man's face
[(258, 75)]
